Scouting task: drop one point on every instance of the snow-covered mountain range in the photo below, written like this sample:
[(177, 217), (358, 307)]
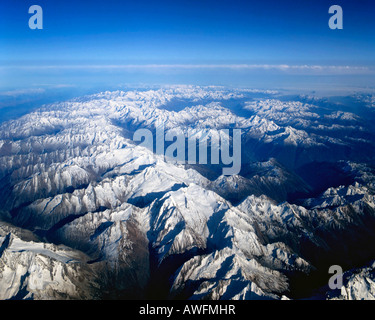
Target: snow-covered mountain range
[(87, 213)]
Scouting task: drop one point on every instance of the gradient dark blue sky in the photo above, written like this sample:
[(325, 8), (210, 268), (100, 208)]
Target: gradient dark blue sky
[(78, 35)]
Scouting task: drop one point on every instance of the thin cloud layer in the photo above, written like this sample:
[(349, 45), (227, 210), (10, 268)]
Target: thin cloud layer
[(320, 69)]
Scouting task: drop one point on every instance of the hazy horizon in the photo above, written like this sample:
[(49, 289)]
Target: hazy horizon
[(264, 45)]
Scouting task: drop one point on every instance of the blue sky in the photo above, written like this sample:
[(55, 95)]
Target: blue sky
[(208, 42)]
